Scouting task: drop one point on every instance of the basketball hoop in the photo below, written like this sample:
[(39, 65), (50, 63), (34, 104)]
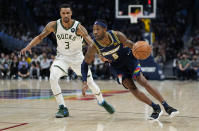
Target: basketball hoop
[(134, 17)]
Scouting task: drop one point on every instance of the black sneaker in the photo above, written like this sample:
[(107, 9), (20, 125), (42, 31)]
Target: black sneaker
[(156, 113), (63, 112), (171, 111), (107, 107)]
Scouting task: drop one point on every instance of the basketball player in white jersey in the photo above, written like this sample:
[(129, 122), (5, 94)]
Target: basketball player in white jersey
[(69, 34)]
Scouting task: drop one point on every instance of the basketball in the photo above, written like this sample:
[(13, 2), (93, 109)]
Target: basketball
[(141, 50)]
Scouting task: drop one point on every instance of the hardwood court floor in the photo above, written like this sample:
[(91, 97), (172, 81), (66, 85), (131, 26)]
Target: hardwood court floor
[(28, 105)]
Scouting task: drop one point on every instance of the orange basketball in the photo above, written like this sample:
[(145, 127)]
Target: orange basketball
[(141, 50)]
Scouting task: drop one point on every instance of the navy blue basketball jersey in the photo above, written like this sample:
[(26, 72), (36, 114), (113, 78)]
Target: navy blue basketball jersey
[(115, 52), (123, 62)]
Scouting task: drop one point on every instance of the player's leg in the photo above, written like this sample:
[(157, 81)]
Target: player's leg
[(55, 73), (155, 93), (143, 82), (129, 84), (94, 88)]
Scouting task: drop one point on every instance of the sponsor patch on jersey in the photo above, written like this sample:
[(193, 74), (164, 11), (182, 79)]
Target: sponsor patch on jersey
[(73, 30)]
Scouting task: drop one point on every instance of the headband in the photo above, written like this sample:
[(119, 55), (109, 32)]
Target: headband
[(100, 23)]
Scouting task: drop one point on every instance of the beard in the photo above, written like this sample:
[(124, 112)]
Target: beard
[(100, 37), (66, 20)]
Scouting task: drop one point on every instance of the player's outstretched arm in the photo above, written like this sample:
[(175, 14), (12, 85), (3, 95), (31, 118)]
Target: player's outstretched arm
[(50, 27), (90, 54), (81, 30), (89, 57), (123, 39)]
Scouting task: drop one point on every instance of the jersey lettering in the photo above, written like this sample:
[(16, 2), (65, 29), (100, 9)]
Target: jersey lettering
[(66, 36)]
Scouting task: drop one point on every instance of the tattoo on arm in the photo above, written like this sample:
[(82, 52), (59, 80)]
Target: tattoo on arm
[(124, 40)]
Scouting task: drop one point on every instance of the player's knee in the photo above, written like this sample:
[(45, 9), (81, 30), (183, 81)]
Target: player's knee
[(55, 73), (53, 76), (129, 84), (133, 88)]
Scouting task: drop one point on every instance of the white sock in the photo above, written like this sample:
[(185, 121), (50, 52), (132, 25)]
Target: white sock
[(100, 98), (60, 99), (54, 77), (95, 90)]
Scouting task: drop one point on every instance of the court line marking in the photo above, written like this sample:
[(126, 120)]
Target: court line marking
[(10, 122), (19, 124), (196, 117)]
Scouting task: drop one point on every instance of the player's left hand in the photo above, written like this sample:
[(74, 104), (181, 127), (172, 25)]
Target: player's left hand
[(84, 88), (23, 51), (104, 59)]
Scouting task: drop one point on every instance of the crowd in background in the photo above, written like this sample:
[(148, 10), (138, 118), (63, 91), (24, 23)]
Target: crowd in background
[(15, 66), (37, 66), (10, 22), (186, 64), (168, 28)]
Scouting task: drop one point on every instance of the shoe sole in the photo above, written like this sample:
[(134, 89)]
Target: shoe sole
[(57, 116), (173, 114), (150, 118)]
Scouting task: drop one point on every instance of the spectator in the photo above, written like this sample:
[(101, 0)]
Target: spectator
[(194, 68), (23, 72), (71, 74), (175, 66), (98, 66), (34, 70), (184, 64), (45, 67), (14, 68), (2, 66), (22, 62), (35, 59)]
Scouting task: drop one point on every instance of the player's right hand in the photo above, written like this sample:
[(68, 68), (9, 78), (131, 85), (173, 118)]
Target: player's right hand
[(84, 88), (23, 51)]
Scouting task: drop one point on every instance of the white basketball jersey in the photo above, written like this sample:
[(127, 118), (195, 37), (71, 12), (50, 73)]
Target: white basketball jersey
[(68, 42)]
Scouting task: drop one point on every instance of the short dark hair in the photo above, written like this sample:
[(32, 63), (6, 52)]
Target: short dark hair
[(102, 20), (65, 6), (102, 23)]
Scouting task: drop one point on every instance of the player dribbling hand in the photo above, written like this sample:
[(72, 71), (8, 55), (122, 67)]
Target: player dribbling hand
[(84, 88), (24, 50)]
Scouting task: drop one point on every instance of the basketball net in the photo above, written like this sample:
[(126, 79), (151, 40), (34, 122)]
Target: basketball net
[(134, 16)]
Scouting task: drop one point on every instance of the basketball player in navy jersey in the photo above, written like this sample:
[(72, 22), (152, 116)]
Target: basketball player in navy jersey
[(116, 49)]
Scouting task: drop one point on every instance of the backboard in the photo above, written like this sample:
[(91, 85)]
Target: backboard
[(135, 9)]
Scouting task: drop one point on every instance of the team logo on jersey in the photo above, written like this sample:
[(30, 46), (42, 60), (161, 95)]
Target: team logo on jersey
[(73, 30)]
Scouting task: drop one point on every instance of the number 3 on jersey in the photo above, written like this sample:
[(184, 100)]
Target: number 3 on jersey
[(67, 45)]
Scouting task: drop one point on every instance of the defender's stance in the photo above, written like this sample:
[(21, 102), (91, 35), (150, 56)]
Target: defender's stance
[(111, 46), (69, 34)]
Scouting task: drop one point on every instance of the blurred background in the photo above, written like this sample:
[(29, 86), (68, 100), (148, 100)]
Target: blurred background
[(174, 31)]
